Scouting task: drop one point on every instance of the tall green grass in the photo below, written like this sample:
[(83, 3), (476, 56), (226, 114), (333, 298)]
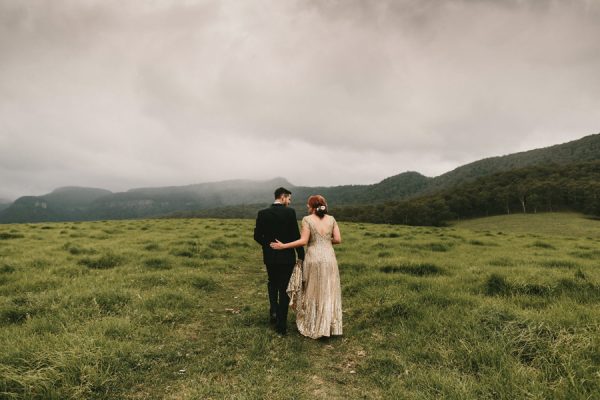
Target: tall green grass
[(502, 308)]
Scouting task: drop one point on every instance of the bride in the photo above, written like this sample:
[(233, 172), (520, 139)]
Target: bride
[(319, 305)]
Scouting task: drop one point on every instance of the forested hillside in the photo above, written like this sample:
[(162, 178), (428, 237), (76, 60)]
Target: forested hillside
[(573, 187), (584, 149)]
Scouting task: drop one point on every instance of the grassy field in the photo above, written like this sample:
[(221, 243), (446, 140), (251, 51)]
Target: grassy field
[(499, 308)]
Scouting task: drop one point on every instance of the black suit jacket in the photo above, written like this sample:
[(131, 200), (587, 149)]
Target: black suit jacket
[(278, 222)]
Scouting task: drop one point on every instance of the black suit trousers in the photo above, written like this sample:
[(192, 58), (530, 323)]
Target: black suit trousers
[(279, 277)]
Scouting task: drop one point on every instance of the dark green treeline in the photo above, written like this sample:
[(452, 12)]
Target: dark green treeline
[(573, 187)]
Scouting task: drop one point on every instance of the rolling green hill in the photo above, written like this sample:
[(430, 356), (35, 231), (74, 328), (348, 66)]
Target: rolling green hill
[(395, 187)]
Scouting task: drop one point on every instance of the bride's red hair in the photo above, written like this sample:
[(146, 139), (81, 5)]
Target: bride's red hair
[(316, 203)]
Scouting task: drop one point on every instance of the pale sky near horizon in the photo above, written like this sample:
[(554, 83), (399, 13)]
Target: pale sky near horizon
[(123, 94)]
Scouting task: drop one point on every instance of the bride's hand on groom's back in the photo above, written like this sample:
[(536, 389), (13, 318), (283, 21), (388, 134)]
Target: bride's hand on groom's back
[(277, 245)]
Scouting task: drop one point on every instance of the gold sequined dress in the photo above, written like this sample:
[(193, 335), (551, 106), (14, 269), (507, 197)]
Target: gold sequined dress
[(319, 300)]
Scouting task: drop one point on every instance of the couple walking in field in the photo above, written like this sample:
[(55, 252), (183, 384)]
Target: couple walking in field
[(313, 281)]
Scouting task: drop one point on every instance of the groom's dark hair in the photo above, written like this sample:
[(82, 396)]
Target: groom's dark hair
[(280, 191)]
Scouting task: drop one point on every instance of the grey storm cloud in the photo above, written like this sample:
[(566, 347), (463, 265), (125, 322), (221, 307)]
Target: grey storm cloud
[(121, 94)]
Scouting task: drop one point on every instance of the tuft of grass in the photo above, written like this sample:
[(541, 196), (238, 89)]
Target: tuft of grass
[(434, 246), (157, 263), (183, 253), (579, 274), (400, 310), (496, 285), (7, 269), (441, 300), (542, 245), (8, 235), (13, 314), (559, 264), (502, 262), (112, 301), (586, 255), (580, 290), (40, 263), (105, 261), (77, 250), (476, 242), (533, 289), (421, 269), (218, 244), (208, 254), (204, 283), (152, 246)]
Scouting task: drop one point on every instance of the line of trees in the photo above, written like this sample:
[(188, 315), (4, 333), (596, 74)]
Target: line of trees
[(573, 187)]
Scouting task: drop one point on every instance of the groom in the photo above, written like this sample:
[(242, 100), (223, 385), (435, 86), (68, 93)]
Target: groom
[(278, 222)]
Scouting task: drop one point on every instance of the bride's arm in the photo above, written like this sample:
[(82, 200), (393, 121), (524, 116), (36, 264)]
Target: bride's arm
[(337, 236), (304, 235)]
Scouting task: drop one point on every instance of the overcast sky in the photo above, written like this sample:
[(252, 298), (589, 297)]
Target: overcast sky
[(125, 93)]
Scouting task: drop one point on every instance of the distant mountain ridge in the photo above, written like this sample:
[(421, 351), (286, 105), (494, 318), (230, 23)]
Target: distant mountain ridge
[(62, 204), (77, 203)]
